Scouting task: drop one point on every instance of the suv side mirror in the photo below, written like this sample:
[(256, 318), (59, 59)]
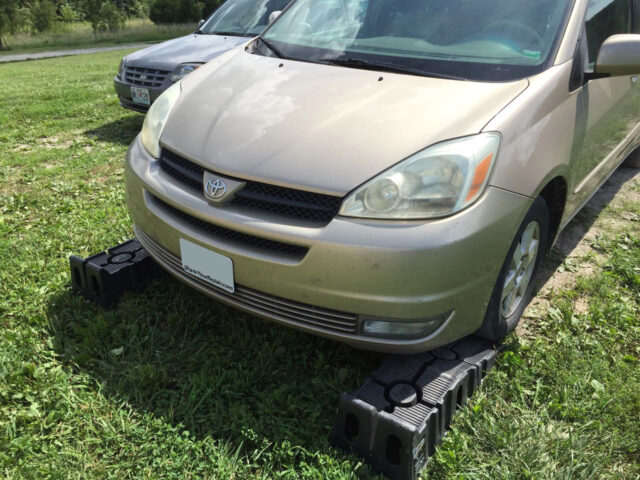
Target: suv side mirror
[(619, 55), (200, 23), (273, 15)]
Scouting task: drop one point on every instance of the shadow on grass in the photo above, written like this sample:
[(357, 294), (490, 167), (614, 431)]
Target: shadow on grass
[(575, 231), (121, 131), (211, 369), (223, 374)]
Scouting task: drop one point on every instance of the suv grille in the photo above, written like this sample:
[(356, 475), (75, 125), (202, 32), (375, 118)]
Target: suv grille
[(288, 202), (144, 77), (217, 232)]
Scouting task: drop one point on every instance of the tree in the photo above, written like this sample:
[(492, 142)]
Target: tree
[(67, 15), (209, 6), (112, 18), (163, 11), (130, 8), (43, 15), (171, 11), (189, 11), (8, 18), (91, 12)]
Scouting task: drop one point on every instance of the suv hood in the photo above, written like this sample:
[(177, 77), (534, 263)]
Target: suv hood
[(192, 48), (318, 127)]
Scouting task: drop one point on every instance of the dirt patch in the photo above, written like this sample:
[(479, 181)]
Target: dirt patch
[(575, 253), (21, 147), (54, 142)]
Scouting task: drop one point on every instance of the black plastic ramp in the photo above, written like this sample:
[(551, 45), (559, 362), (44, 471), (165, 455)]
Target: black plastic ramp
[(400, 414), (106, 276)]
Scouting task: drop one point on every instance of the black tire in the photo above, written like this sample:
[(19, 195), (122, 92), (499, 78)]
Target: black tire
[(633, 160), (496, 325)]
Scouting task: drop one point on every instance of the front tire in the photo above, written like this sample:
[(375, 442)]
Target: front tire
[(633, 160), (515, 285)]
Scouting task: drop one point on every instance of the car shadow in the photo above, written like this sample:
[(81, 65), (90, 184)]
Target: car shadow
[(223, 374), (211, 369), (121, 131), (576, 230)]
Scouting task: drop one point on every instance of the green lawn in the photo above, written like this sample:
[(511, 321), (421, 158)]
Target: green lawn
[(80, 35), (173, 385)]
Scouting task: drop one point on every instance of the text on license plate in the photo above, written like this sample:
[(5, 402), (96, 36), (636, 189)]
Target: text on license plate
[(206, 265), (140, 95)]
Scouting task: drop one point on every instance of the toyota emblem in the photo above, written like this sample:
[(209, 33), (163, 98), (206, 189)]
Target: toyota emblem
[(215, 188)]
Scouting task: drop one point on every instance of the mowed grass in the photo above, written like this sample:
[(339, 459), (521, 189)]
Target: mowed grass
[(80, 35), (173, 385)]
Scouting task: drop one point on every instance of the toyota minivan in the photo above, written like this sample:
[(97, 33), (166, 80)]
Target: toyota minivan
[(388, 173)]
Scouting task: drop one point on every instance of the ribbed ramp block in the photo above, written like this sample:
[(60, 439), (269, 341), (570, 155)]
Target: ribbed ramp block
[(400, 414), (106, 276)]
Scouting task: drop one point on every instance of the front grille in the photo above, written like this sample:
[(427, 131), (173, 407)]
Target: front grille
[(256, 196), (270, 306), (181, 169), (144, 77), (294, 252)]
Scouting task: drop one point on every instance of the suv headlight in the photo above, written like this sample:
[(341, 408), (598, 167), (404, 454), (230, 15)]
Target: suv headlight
[(157, 117), (183, 70), (121, 68), (437, 181)]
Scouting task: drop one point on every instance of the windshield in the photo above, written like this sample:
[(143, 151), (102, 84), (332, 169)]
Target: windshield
[(474, 39), (242, 17)]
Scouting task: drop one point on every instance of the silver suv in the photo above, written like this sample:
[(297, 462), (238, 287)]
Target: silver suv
[(143, 75)]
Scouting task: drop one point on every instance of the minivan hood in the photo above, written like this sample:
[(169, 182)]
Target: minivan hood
[(317, 127), (191, 48)]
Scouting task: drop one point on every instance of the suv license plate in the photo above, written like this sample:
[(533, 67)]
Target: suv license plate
[(140, 95), (208, 266)]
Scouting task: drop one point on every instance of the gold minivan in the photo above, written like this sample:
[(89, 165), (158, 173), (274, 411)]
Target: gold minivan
[(388, 173)]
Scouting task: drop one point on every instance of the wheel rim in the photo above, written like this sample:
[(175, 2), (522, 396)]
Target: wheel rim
[(520, 270)]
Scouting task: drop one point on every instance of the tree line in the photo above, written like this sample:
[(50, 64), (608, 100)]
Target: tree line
[(36, 16)]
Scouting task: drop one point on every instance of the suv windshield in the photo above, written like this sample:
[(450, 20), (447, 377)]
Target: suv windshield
[(494, 40), (242, 17)]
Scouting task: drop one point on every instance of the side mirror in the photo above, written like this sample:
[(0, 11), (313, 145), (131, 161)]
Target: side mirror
[(200, 23), (619, 55), (273, 15)]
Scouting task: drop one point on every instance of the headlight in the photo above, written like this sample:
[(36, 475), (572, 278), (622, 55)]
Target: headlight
[(183, 70), (156, 118), (438, 181), (121, 68)]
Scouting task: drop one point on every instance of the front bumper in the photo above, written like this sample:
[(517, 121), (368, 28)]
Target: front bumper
[(406, 271), (123, 90)]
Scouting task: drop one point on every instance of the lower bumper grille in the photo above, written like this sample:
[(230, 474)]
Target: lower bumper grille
[(276, 308)]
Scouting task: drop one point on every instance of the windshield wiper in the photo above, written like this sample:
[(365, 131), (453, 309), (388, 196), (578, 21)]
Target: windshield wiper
[(387, 67), (232, 34), (270, 46)]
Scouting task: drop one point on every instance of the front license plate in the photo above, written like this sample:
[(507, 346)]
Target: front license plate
[(206, 265), (140, 95)]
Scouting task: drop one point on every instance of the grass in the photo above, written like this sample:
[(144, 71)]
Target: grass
[(171, 385), (81, 35)]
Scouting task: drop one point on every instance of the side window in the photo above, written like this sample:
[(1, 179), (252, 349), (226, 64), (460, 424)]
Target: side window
[(636, 16), (606, 18)]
